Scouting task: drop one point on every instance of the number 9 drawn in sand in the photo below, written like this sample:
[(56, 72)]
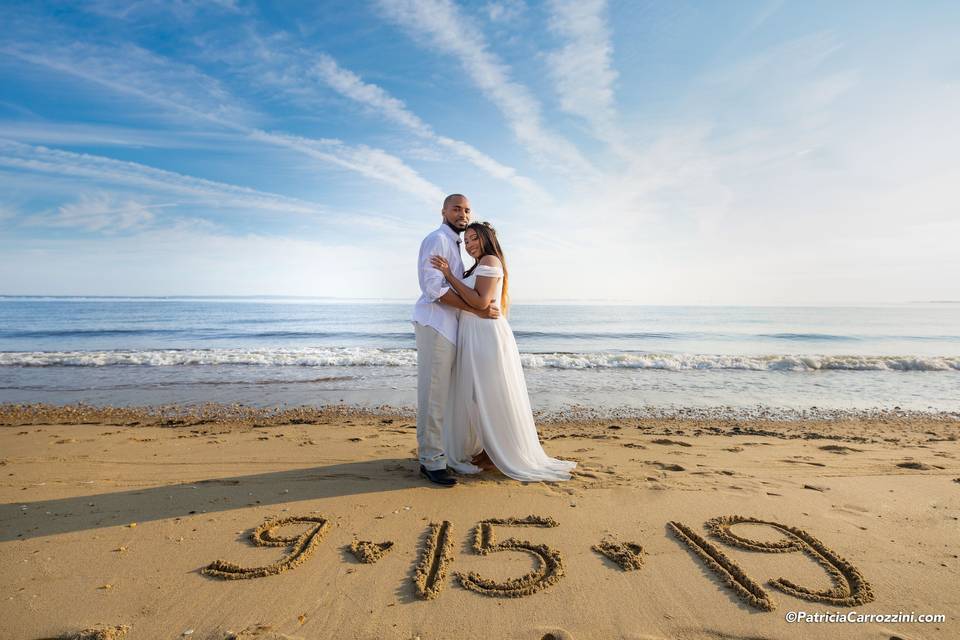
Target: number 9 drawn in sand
[(301, 546), (849, 588), (549, 568)]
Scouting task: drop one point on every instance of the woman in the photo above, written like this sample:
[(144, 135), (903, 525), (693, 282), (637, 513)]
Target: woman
[(488, 409)]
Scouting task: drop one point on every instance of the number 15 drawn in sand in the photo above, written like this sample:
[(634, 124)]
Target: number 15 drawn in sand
[(849, 587)]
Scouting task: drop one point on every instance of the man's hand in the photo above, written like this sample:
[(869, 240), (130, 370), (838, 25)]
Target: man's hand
[(490, 313)]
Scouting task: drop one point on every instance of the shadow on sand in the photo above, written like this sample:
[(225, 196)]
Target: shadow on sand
[(24, 520)]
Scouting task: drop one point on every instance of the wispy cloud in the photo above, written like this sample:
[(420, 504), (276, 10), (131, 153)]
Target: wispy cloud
[(69, 134), (582, 68), (352, 86), (504, 10), (187, 91), (101, 211), (82, 165), (181, 9), (368, 161), (441, 25), (133, 71)]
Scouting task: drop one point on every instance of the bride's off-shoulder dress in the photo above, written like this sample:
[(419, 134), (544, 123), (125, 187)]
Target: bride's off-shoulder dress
[(488, 408)]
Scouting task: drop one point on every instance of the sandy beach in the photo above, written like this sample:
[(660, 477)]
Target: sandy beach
[(125, 517)]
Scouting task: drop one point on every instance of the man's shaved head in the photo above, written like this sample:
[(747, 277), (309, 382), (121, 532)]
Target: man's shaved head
[(446, 201)]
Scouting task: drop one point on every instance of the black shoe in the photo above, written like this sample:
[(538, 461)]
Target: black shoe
[(440, 476)]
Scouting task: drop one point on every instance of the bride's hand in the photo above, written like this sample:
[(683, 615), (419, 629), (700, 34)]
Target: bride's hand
[(440, 263)]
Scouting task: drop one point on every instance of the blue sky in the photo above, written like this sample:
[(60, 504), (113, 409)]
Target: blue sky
[(649, 152)]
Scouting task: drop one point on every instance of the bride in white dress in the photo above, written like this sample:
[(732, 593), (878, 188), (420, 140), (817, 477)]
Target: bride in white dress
[(488, 410)]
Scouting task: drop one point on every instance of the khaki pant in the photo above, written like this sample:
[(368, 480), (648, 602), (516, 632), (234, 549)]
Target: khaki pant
[(435, 356)]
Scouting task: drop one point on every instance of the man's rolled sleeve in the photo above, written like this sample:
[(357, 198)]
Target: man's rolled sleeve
[(432, 283)]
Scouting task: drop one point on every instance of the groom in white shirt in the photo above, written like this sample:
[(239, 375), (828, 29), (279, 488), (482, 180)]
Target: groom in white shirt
[(435, 321)]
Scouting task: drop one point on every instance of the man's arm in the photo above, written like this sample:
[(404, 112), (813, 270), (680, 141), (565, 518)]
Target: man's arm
[(451, 298), (432, 283)]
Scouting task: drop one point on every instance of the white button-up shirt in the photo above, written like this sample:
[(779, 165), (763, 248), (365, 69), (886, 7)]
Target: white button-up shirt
[(428, 312)]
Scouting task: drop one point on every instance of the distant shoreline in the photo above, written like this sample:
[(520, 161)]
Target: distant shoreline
[(411, 299)]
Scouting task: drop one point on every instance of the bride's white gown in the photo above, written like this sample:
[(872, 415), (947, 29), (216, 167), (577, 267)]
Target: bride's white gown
[(488, 407)]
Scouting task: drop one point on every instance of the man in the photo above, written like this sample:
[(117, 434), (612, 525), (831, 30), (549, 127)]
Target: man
[(435, 320)]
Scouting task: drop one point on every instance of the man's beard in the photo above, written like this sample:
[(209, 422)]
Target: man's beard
[(454, 227)]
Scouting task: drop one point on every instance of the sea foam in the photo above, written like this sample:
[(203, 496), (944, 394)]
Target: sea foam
[(381, 357)]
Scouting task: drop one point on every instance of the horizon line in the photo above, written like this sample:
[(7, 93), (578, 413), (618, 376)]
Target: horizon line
[(410, 300)]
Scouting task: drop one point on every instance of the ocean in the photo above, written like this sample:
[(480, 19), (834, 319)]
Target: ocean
[(296, 351)]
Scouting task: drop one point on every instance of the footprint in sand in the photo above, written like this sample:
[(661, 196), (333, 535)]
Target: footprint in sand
[(664, 466), (812, 464), (667, 441), (919, 466), (839, 449)]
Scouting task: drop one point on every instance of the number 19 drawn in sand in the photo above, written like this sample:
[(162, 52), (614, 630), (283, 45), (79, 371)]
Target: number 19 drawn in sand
[(849, 587)]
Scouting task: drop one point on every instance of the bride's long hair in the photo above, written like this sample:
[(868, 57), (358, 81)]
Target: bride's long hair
[(490, 246)]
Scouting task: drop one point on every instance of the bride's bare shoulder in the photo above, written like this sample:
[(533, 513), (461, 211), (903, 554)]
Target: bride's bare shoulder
[(490, 261)]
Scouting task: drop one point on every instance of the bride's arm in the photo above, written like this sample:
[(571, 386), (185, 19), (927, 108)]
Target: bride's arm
[(453, 299), (480, 297)]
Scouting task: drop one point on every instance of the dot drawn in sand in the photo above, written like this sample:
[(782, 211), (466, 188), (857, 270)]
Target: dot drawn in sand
[(431, 571), (301, 547), (726, 569), (627, 555), (369, 552), (118, 632), (549, 567), (849, 588)]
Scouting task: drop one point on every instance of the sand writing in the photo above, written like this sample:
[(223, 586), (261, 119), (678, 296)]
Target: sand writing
[(849, 588), (118, 632), (301, 547), (549, 567), (627, 555), (431, 571), (726, 569), (369, 552)]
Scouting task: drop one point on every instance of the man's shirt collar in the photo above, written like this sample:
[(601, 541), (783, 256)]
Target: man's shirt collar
[(450, 232)]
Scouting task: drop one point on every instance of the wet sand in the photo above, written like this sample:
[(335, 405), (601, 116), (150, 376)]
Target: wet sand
[(228, 521)]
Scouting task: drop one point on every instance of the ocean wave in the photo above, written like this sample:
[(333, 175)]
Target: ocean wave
[(306, 357), (692, 362), (384, 357), (806, 336)]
